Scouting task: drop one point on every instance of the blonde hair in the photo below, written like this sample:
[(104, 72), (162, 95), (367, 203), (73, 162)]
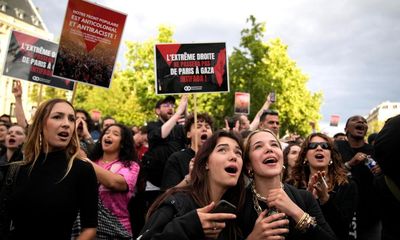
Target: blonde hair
[(247, 142), (35, 142)]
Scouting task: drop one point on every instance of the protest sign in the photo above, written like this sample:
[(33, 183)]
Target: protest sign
[(191, 68), (242, 103), (32, 59), (89, 43), (334, 121)]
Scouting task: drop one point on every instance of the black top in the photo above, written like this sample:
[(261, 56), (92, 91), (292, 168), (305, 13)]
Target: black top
[(176, 168), (177, 218), (43, 207), (367, 215), (160, 149), (389, 208), (339, 209), (301, 198)]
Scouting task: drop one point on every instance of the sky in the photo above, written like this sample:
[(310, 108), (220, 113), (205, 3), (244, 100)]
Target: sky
[(349, 49)]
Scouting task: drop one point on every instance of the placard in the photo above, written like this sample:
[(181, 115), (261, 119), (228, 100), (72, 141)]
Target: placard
[(191, 68), (242, 103)]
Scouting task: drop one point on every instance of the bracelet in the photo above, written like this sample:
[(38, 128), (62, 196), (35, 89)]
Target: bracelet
[(305, 222)]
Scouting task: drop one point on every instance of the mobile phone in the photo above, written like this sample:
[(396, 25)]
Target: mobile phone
[(224, 206), (272, 96)]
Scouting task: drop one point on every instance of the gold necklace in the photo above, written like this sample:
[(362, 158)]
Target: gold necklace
[(257, 197)]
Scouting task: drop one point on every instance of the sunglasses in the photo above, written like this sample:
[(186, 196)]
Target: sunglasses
[(314, 145)]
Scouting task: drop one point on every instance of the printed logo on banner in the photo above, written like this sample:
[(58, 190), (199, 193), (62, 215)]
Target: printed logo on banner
[(32, 59), (183, 68)]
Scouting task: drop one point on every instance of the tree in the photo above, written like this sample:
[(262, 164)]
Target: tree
[(260, 67)]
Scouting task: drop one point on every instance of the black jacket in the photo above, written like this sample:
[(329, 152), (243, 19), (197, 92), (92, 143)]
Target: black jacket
[(176, 219), (301, 198)]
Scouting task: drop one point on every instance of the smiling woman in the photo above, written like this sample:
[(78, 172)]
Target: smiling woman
[(273, 209)]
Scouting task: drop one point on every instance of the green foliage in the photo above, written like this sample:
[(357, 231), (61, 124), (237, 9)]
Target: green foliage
[(259, 68), (39, 93)]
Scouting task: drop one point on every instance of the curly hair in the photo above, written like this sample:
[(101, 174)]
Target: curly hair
[(337, 173)]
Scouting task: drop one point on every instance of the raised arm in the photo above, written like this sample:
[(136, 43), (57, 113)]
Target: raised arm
[(256, 121), (170, 124), (19, 110)]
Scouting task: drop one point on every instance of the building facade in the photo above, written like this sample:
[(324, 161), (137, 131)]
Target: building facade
[(23, 16), (377, 116)]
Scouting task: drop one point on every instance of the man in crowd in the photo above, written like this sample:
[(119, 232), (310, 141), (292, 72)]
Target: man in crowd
[(176, 171), (107, 121), (355, 152), (140, 140)]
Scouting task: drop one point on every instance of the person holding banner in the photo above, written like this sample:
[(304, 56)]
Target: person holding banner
[(177, 168), (52, 184)]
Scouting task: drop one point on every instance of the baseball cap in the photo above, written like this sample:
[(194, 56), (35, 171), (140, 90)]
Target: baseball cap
[(168, 99)]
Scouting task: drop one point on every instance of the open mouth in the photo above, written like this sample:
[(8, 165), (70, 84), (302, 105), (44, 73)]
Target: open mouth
[(203, 137), (231, 169), (270, 160), (11, 141), (107, 141), (360, 127), (63, 134), (319, 156)]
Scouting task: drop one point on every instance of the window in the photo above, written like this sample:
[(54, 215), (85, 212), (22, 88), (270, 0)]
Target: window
[(35, 20), (385, 107), (395, 106)]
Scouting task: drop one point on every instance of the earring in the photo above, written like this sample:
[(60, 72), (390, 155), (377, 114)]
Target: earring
[(330, 162), (251, 173), (305, 161), (207, 167), (283, 166)]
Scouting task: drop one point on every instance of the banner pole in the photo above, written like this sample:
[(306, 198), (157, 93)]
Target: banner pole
[(195, 123), (74, 93), (39, 98)]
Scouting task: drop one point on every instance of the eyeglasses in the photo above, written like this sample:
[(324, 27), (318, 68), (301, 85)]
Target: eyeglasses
[(168, 105), (314, 145)]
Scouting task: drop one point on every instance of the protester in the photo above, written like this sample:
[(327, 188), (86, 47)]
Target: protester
[(18, 109), (273, 209), (84, 126), (5, 118), (14, 139), (386, 153), (53, 184), (320, 170), (340, 137), (185, 212), (355, 152), (3, 133), (141, 142), (177, 168), (115, 163), (290, 156), (107, 121)]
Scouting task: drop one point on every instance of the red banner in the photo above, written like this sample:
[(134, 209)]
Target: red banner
[(89, 43), (242, 103)]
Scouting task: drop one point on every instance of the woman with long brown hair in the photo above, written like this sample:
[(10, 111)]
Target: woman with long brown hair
[(274, 210), (320, 170), (185, 212), (53, 184)]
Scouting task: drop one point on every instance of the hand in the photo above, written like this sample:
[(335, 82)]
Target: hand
[(182, 105), (85, 131), (213, 223), (17, 89), (359, 157), (320, 187), (270, 227), (280, 200), (376, 169)]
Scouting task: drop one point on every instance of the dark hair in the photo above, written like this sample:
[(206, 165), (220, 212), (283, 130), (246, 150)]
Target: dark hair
[(143, 130), (337, 174), (201, 117), (127, 152), (339, 134), (199, 189), (7, 116), (266, 113), (89, 121), (106, 118), (286, 152)]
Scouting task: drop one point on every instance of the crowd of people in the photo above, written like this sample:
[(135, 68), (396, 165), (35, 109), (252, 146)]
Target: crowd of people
[(65, 176)]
